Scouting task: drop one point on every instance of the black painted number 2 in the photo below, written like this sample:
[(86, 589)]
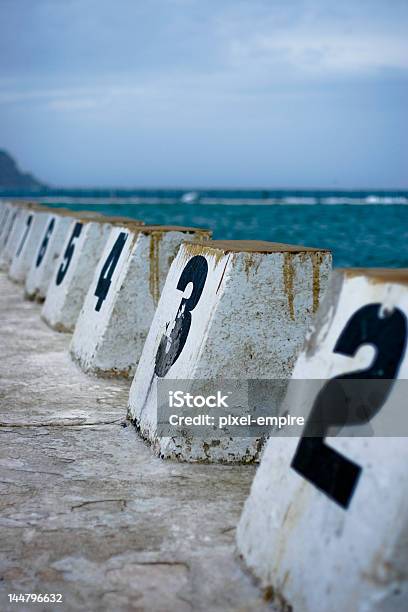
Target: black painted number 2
[(195, 272), (69, 251), (105, 277), (44, 243), (328, 470)]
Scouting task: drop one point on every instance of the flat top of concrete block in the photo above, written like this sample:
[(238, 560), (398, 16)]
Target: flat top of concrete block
[(89, 216), (23, 203), (388, 275), (150, 229), (32, 205), (77, 214), (253, 246), (84, 215), (112, 219)]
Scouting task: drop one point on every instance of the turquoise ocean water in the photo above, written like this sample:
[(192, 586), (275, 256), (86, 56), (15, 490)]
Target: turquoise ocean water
[(362, 228)]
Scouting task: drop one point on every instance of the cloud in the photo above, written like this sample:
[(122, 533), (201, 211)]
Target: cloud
[(314, 41), (292, 85), (154, 38)]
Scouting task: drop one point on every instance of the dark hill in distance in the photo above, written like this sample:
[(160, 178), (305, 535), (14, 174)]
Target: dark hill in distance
[(11, 176)]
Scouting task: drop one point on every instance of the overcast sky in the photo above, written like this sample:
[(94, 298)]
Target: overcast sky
[(269, 93)]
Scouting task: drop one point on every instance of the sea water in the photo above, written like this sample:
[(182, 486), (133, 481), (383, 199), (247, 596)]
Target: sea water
[(362, 228)]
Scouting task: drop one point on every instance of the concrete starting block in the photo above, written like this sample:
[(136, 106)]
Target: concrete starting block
[(4, 217), (118, 310), (32, 229), (229, 310), (15, 226), (75, 268), (10, 234), (325, 526), (47, 253), (4, 209)]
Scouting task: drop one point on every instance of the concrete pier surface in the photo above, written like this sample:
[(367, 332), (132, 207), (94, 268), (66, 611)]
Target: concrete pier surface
[(86, 509)]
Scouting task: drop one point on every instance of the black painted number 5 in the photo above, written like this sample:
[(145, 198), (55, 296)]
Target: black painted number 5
[(69, 251), (195, 272)]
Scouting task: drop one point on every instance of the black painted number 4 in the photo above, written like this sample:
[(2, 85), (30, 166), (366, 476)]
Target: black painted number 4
[(105, 277), (327, 469)]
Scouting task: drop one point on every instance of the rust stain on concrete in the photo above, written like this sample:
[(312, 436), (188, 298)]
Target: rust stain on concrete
[(288, 277), (155, 237), (317, 259), (191, 249), (251, 263), (154, 269)]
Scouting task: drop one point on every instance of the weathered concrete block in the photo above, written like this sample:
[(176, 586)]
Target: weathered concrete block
[(5, 211), (48, 251), (73, 273), (119, 307), (12, 226), (33, 228), (228, 310), (326, 524), (4, 205), (74, 270)]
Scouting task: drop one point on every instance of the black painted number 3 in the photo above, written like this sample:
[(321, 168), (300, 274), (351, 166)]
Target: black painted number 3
[(105, 277), (44, 243), (69, 251), (321, 465), (195, 272)]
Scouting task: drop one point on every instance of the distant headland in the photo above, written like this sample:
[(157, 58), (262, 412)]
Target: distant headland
[(11, 177)]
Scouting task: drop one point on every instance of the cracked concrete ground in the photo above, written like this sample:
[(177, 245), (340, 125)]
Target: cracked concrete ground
[(86, 509)]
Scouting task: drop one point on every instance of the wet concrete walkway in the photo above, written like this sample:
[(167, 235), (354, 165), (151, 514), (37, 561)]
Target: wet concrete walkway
[(86, 510)]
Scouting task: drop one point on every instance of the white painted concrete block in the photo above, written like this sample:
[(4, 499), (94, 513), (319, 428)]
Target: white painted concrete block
[(326, 524), (4, 220), (10, 238), (14, 225), (118, 310), (74, 270), (4, 205), (33, 228), (48, 251), (228, 310), (73, 273)]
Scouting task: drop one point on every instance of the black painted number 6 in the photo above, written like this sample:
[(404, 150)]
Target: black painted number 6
[(195, 272), (321, 465), (44, 243)]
